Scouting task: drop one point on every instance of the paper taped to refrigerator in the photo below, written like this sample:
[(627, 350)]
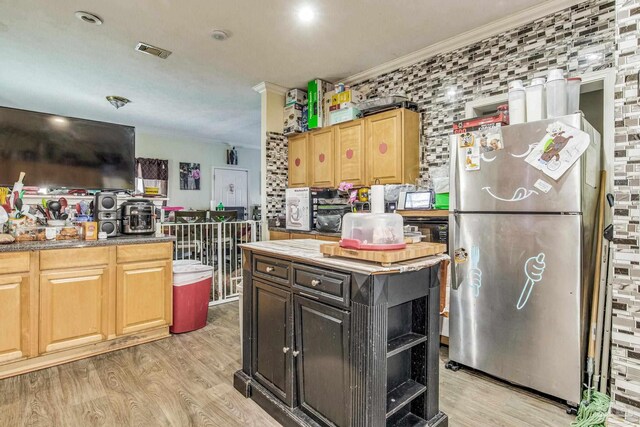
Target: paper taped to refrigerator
[(558, 150)]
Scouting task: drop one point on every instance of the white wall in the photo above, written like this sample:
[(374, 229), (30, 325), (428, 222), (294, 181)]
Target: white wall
[(178, 149)]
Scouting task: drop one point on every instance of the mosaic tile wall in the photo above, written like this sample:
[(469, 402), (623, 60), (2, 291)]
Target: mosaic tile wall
[(578, 39), (277, 171), (625, 364)]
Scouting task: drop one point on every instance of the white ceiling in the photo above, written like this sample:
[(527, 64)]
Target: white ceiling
[(51, 61)]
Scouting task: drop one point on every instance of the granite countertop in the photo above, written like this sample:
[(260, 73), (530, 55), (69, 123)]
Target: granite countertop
[(313, 232), (66, 244), (308, 250)]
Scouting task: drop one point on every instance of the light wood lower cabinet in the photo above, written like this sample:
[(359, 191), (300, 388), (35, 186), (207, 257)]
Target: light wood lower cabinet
[(60, 305), (143, 296), (14, 317), (73, 308)]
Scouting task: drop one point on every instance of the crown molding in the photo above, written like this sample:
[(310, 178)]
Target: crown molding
[(466, 38), (270, 87)]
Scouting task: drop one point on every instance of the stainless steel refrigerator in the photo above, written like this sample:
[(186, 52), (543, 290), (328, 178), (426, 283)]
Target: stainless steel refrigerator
[(521, 285)]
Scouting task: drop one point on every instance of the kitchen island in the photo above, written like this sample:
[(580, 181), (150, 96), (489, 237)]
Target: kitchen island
[(331, 341), (66, 300)]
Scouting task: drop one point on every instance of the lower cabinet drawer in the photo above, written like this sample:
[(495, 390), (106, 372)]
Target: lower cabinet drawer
[(271, 269), (322, 285)]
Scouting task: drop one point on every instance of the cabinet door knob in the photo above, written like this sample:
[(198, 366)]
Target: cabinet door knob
[(295, 353), (315, 282), (285, 349), (270, 269)]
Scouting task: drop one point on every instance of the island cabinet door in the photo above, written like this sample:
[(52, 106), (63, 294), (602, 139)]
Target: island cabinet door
[(73, 308), (322, 360), (143, 296), (272, 340)]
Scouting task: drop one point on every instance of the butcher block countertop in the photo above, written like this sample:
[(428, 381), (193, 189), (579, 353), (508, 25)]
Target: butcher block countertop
[(308, 251)]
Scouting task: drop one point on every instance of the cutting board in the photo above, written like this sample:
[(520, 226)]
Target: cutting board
[(386, 258)]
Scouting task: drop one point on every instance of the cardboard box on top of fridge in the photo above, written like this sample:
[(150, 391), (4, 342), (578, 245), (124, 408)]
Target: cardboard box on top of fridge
[(348, 96), (296, 96), (316, 92), (343, 115)]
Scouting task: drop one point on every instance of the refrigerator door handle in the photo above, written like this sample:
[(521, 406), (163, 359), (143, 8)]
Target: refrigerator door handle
[(453, 241), (453, 170)]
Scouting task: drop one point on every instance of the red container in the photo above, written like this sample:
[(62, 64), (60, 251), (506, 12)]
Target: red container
[(190, 297)]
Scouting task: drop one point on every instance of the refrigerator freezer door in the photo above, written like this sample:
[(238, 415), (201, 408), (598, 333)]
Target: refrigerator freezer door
[(505, 182), (515, 299)]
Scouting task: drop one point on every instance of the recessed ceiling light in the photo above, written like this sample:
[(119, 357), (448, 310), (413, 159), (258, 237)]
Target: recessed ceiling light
[(59, 120), (89, 18), (220, 35), (306, 14), (117, 101)]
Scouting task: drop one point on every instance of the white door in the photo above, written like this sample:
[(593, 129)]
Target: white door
[(230, 186)]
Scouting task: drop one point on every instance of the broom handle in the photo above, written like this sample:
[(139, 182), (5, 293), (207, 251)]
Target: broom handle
[(596, 273)]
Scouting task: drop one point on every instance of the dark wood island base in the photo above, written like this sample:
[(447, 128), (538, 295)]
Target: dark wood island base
[(333, 342)]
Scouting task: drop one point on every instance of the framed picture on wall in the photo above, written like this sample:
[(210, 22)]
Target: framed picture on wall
[(189, 176)]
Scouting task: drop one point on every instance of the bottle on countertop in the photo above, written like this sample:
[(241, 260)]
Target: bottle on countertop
[(536, 103), (517, 107), (573, 94), (556, 94)]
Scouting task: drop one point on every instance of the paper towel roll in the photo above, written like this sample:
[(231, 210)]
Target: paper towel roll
[(376, 196)]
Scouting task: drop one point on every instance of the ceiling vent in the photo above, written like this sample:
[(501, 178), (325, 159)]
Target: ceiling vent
[(153, 50)]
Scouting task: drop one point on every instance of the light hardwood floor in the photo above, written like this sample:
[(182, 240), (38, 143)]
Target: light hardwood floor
[(186, 380)]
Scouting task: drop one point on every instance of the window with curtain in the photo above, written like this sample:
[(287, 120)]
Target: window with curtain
[(152, 176)]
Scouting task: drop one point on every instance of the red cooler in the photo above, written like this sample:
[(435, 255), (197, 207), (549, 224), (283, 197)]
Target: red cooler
[(191, 287)]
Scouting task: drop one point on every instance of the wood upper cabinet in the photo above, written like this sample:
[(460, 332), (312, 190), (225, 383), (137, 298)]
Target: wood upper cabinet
[(392, 147), (382, 147), (143, 296), (298, 161), (73, 308), (14, 317), (350, 152), (322, 159)]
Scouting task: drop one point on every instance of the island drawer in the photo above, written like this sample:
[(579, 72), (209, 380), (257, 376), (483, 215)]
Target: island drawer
[(271, 269), (323, 285)]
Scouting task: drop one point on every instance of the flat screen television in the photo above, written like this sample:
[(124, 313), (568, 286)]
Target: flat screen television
[(57, 151)]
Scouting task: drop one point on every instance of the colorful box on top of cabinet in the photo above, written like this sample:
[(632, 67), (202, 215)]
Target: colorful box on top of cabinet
[(315, 95), (326, 107), (293, 117), (295, 96), (343, 115), (348, 96)]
